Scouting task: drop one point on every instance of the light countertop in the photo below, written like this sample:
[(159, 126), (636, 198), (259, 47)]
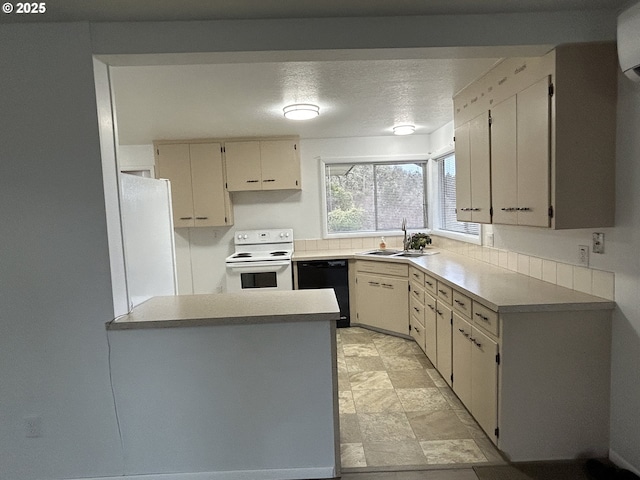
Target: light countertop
[(497, 288), (231, 309)]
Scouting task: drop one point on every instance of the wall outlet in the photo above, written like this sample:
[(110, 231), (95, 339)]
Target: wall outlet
[(583, 255), (489, 240), (33, 426), (598, 243)]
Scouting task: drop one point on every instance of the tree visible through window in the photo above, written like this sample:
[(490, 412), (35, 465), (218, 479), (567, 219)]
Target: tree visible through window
[(369, 197)]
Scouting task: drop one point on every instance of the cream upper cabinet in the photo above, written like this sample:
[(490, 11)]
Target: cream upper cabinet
[(520, 157), (552, 137), (196, 173), (473, 171), (262, 165), (242, 161)]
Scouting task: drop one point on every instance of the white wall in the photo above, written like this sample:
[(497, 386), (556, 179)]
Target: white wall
[(55, 286)]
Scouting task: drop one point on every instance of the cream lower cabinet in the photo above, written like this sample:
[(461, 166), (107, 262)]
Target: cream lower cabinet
[(262, 165), (475, 373), (381, 296), (438, 334), (196, 173)]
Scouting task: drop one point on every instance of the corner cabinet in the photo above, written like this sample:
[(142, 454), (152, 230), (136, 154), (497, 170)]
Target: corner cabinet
[(550, 140), (196, 173), (264, 164), (381, 296)]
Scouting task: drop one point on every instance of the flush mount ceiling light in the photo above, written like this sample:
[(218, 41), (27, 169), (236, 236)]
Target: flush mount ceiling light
[(404, 130), (301, 111)]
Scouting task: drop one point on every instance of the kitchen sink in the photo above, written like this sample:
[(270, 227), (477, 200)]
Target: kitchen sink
[(383, 253), (399, 253)]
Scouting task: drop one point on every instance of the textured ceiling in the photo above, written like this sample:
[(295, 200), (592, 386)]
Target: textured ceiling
[(356, 98)]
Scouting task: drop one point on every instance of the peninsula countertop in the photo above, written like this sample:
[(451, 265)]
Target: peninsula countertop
[(242, 308), (497, 288)]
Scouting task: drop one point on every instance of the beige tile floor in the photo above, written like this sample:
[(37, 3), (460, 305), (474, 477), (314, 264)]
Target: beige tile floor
[(396, 410)]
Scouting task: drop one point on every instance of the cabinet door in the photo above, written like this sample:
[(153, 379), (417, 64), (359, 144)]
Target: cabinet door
[(484, 382), (367, 292), (209, 195), (480, 167), (463, 174), (443, 331), (242, 161), (462, 359), (533, 153), (430, 329), (393, 304), (173, 163), (280, 164), (504, 186)]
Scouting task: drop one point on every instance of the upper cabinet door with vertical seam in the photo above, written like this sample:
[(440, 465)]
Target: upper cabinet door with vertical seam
[(533, 154), (504, 186), (242, 161), (480, 168), (208, 187), (463, 174), (280, 164), (173, 163)]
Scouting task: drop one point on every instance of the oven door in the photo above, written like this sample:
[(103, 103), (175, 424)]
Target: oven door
[(254, 276)]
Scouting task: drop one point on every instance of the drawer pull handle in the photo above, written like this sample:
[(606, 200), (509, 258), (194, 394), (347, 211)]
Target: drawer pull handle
[(387, 285), (459, 303), (416, 309), (477, 344), (431, 307), (202, 218), (416, 275), (417, 330), (486, 319), (444, 292), (374, 284), (253, 181), (429, 283), (416, 293), (269, 180), (438, 312), (186, 218)]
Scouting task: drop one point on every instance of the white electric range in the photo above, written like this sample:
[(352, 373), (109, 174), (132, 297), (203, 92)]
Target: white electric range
[(262, 260)]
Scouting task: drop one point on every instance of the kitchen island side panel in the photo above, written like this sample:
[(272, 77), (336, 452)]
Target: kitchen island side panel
[(555, 375), (233, 398)]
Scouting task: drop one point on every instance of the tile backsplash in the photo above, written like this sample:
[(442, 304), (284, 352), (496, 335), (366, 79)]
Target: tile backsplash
[(582, 279)]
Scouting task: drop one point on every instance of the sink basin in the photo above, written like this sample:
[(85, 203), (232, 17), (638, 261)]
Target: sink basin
[(399, 253), (383, 253)]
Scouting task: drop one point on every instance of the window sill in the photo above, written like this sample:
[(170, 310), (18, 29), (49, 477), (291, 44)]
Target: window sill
[(461, 237)]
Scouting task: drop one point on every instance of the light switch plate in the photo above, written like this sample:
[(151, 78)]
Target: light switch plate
[(583, 255), (598, 243)]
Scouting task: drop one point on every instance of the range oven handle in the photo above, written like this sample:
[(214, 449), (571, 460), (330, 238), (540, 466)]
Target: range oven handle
[(258, 265)]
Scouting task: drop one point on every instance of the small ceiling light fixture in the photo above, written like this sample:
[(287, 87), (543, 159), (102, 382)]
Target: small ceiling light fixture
[(301, 111), (404, 130)]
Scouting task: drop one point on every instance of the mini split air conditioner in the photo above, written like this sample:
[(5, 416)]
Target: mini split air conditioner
[(629, 42)]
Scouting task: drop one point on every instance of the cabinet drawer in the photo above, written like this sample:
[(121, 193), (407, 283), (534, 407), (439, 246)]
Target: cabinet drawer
[(485, 318), (384, 268), (445, 293), (418, 332), (417, 292), (417, 309), (416, 275), (462, 304), (430, 284)]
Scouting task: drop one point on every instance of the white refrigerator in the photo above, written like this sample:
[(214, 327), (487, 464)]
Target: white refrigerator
[(147, 233)]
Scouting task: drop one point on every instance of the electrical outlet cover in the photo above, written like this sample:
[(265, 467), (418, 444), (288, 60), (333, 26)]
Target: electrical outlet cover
[(583, 255)]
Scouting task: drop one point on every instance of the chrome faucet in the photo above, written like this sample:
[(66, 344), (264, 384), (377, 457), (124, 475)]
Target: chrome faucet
[(406, 240)]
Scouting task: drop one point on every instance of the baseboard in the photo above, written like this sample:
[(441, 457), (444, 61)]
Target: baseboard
[(621, 462), (275, 474)]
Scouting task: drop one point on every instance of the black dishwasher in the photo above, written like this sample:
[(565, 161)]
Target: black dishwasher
[(327, 274)]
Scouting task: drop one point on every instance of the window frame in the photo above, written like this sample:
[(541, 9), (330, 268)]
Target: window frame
[(390, 160)]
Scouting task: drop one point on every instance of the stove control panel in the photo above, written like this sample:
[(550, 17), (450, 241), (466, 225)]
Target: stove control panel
[(256, 237)]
